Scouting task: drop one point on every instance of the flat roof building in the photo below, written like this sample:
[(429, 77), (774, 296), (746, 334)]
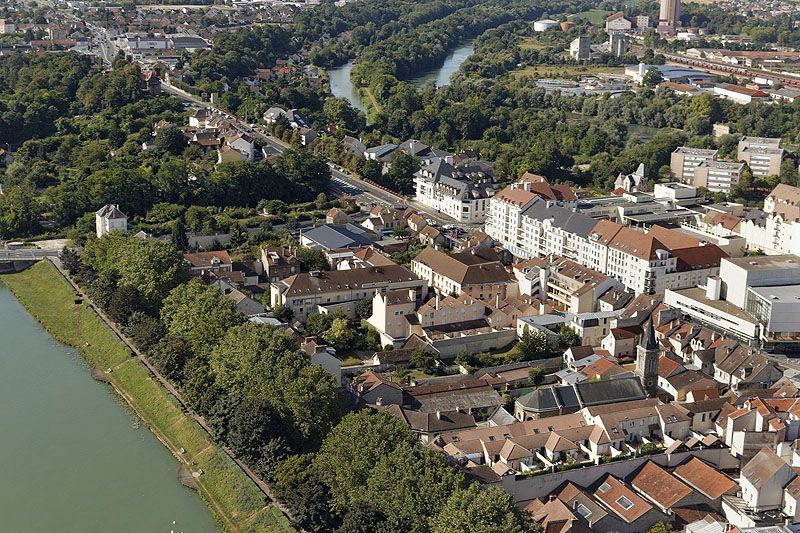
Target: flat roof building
[(763, 155)]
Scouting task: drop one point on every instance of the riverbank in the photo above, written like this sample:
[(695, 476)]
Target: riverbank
[(234, 499)]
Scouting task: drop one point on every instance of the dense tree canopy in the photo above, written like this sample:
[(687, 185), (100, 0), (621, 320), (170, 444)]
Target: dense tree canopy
[(479, 510), (150, 266), (349, 453), (199, 313)]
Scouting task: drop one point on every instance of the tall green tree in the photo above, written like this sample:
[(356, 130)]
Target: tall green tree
[(410, 485), (479, 510), (152, 266), (264, 364), (199, 313), (350, 452)]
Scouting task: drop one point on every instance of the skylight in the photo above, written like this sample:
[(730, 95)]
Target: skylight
[(604, 487), (583, 511), (624, 502)]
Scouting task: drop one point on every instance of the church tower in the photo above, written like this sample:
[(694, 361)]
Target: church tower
[(647, 359)]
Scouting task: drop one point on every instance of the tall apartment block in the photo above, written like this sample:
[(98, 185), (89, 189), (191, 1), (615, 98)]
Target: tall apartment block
[(763, 155)]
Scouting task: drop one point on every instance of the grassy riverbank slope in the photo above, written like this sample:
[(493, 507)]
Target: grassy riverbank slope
[(235, 501)]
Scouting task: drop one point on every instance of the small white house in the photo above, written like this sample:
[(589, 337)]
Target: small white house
[(109, 218)]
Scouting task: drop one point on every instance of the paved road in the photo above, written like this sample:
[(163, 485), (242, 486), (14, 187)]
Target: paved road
[(341, 182)]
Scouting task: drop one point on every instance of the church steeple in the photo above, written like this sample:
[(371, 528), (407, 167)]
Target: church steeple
[(647, 359)]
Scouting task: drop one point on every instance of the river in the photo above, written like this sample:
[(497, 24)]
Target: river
[(450, 66), (342, 87), (72, 458)]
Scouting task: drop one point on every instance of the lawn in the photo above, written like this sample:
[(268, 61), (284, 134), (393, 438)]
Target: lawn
[(566, 71), (532, 43), (235, 501), (595, 16)]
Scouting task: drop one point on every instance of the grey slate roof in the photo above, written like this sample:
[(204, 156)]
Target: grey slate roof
[(585, 394), (565, 219), (331, 237), (610, 391), (381, 151), (110, 211), (550, 399)]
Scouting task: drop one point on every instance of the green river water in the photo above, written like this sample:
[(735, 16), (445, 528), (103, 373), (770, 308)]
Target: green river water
[(72, 456)]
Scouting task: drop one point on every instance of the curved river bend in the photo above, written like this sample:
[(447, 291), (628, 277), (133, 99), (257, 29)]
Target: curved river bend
[(342, 87), (72, 458)]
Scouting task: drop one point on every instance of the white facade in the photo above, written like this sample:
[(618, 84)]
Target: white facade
[(718, 176), (243, 144), (762, 154), (544, 25), (452, 197), (7, 27), (684, 161), (109, 218)]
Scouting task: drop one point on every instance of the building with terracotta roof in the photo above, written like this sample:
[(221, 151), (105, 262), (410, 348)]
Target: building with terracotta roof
[(646, 264), (465, 272), (213, 261), (625, 504), (739, 94), (307, 293), (555, 516), (279, 262), (373, 388), (753, 425), (337, 217), (571, 286), (705, 479)]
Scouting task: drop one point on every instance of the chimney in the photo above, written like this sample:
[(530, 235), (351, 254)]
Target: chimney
[(497, 301), (438, 415), (438, 300)]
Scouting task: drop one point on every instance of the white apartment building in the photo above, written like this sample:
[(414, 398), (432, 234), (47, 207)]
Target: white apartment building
[(554, 231), (643, 262), (504, 220), (684, 161), (777, 229), (763, 155), (717, 176), (441, 186)]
